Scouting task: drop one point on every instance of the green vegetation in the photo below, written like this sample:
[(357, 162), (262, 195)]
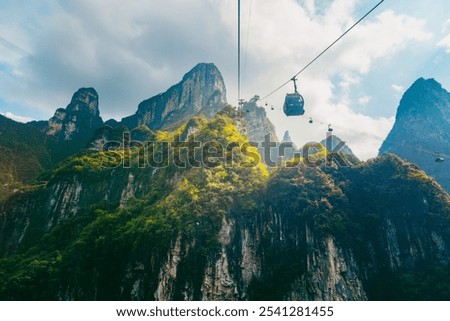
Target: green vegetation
[(101, 250), (92, 249), (23, 156)]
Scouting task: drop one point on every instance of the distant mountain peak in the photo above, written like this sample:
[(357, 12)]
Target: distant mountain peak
[(202, 69), (85, 97), (79, 119), (287, 137), (201, 91), (333, 142), (420, 98), (422, 125)]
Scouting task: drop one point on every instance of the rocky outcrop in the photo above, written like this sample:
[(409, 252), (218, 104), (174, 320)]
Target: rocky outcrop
[(258, 124), (71, 129), (332, 274), (201, 91), (335, 144), (260, 129), (23, 217), (78, 120), (421, 132)]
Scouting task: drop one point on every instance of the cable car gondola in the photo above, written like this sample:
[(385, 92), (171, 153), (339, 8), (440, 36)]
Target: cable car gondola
[(439, 158), (293, 103)]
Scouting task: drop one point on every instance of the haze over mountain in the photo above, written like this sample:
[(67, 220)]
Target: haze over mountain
[(422, 129)]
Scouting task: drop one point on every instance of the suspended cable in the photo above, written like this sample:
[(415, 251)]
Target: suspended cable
[(314, 121), (435, 153), (239, 52), (247, 37), (325, 50)]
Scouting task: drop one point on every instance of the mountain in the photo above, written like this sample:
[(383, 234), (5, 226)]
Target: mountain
[(165, 228), (259, 128), (201, 91), (287, 137), (73, 127), (23, 155), (258, 124), (187, 209), (422, 129), (78, 120), (29, 149), (334, 143)]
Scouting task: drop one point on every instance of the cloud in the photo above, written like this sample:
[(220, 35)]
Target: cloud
[(364, 100), (293, 36), (130, 51), (445, 43), (127, 51), (397, 88), (20, 119)]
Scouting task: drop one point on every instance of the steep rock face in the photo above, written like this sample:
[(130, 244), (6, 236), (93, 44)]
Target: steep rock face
[(79, 119), (25, 217), (258, 124), (333, 274), (334, 143), (422, 127), (258, 127), (201, 91), (71, 129)]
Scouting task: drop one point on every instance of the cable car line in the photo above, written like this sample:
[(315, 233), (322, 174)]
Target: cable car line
[(247, 37), (316, 122), (326, 49), (239, 51), (440, 157)]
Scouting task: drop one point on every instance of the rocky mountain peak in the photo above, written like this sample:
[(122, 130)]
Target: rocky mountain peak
[(201, 91), (80, 118), (425, 97), (85, 97), (287, 137), (422, 128), (332, 143)]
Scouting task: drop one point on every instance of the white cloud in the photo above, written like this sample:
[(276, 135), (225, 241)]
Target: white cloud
[(445, 43), (445, 25), (286, 43), (364, 100), (134, 50), (398, 89), (20, 119)]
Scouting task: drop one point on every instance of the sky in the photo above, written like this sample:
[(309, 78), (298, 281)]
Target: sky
[(132, 50)]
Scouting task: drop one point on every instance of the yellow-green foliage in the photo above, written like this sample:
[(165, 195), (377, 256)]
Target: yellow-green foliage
[(418, 174)]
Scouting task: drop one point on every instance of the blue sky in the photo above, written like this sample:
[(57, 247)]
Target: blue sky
[(133, 50)]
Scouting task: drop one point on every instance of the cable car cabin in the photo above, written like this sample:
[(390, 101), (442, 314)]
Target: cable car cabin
[(293, 105)]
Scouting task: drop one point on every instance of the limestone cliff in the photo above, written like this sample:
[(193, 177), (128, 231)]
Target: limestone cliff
[(79, 119), (201, 91)]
